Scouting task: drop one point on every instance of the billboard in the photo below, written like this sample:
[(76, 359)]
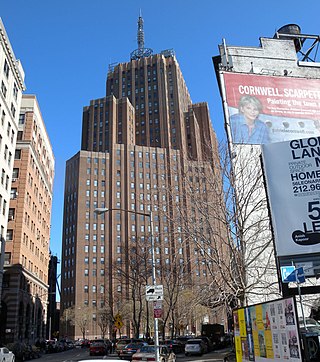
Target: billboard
[(267, 332), (292, 172), (264, 109)]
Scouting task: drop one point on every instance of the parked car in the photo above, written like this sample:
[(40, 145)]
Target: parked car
[(312, 325), (21, 351), (70, 344), (98, 347), (230, 357), (208, 342), (195, 346), (121, 343), (6, 355), (148, 353), (183, 339), (175, 345), (130, 349)]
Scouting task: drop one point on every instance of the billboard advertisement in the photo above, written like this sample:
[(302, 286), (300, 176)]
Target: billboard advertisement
[(264, 109), (292, 172), (267, 332)]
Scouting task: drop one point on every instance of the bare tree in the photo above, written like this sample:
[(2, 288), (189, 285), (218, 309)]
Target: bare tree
[(67, 320), (104, 319), (227, 230), (135, 278), (82, 317)]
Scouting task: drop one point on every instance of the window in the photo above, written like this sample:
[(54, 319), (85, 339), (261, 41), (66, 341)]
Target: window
[(13, 193), (3, 89), (15, 91), (6, 68), (17, 155), (11, 214), (4, 207), (13, 110), (9, 234)]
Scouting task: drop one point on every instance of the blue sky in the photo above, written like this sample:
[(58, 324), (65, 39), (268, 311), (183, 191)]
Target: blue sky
[(65, 47)]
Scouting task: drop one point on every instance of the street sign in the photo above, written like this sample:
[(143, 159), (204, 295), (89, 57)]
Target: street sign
[(157, 309), (118, 324), (118, 321), (154, 292), (292, 274)]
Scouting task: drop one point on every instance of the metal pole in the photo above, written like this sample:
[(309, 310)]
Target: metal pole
[(50, 328), (100, 211), (154, 281)]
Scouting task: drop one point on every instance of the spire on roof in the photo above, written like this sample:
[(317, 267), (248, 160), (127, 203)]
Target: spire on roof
[(141, 52)]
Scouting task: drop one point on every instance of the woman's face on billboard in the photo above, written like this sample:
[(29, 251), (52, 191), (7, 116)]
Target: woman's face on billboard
[(250, 112)]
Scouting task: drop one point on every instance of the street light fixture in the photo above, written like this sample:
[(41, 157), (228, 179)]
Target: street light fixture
[(102, 210)]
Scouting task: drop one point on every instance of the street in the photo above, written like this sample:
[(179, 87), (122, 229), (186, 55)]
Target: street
[(76, 354)]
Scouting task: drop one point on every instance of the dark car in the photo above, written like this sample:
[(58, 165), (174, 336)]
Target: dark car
[(230, 357), (183, 339), (175, 345), (98, 347), (311, 324), (121, 343), (207, 341), (130, 349)]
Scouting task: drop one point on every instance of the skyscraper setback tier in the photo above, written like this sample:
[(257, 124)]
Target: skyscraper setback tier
[(145, 149)]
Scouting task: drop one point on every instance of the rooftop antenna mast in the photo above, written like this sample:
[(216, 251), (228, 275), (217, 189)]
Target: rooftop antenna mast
[(141, 52)]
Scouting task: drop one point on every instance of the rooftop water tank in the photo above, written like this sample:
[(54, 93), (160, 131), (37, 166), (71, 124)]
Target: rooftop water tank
[(288, 29)]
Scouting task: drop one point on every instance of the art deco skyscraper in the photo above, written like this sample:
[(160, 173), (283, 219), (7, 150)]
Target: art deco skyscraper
[(143, 145)]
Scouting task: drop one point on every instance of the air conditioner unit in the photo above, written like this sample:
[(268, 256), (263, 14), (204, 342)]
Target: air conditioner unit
[(14, 180), (10, 217)]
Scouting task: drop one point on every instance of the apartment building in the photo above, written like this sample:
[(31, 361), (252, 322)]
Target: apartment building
[(12, 86), (25, 285)]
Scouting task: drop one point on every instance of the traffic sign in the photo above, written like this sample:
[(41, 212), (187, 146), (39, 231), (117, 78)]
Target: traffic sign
[(157, 309), (118, 321), (118, 324), (154, 292), (292, 274)]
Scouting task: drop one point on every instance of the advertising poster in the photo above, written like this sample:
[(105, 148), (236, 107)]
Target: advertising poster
[(237, 337), (264, 109), (271, 332), (292, 175)]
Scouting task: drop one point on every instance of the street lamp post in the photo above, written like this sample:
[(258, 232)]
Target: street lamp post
[(102, 210), (36, 320)]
